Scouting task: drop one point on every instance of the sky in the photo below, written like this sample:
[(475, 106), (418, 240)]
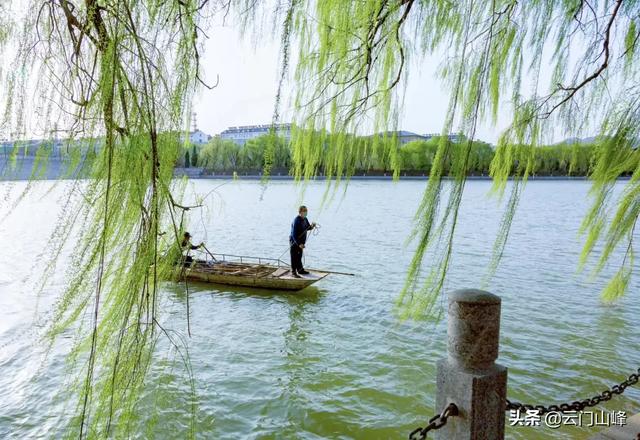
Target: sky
[(247, 86), (247, 72)]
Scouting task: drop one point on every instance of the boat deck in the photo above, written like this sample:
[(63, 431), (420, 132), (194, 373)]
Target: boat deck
[(262, 275)]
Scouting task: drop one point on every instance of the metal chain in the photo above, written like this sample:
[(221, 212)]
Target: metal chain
[(439, 420), (435, 422), (578, 405)]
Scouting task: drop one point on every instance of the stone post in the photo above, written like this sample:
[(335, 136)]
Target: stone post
[(468, 376)]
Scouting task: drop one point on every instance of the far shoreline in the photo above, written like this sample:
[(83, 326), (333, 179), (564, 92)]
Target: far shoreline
[(23, 172), (365, 177), (288, 178)]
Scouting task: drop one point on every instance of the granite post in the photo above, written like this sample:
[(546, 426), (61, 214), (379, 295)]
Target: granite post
[(469, 377)]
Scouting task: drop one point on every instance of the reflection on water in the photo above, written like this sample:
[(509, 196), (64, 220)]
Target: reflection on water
[(332, 361), (309, 294)]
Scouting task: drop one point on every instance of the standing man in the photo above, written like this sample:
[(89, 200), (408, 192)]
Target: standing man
[(297, 240)]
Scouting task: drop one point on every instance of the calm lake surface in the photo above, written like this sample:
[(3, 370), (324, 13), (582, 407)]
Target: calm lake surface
[(332, 361)]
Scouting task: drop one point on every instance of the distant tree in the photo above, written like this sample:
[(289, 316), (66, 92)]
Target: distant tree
[(219, 155), (187, 162), (231, 152), (282, 154), (265, 152), (419, 155), (194, 156)]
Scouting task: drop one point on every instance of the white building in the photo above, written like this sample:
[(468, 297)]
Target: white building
[(240, 135), (404, 136), (452, 137), (198, 137)]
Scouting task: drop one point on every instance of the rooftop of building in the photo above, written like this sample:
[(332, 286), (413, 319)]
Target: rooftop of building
[(399, 133), (261, 127)]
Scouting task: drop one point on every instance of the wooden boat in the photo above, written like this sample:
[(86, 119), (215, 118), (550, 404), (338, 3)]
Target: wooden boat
[(235, 270)]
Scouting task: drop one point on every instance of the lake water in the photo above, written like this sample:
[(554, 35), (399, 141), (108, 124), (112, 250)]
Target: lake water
[(333, 361)]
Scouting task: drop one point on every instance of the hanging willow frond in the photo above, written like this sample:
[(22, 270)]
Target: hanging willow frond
[(117, 78), (351, 72)]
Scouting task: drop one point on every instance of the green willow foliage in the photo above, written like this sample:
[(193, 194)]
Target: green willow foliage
[(123, 72), (352, 62)]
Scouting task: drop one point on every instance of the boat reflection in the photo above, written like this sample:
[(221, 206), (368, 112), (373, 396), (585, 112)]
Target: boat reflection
[(309, 294)]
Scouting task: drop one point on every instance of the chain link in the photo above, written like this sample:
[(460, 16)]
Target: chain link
[(439, 420), (578, 405), (435, 422)]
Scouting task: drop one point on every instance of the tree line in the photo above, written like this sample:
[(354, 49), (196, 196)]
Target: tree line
[(386, 155)]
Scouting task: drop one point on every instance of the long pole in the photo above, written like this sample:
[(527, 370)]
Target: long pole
[(209, 252), (333, 272)]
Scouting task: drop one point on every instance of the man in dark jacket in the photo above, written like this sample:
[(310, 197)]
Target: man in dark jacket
[(297, 240)]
